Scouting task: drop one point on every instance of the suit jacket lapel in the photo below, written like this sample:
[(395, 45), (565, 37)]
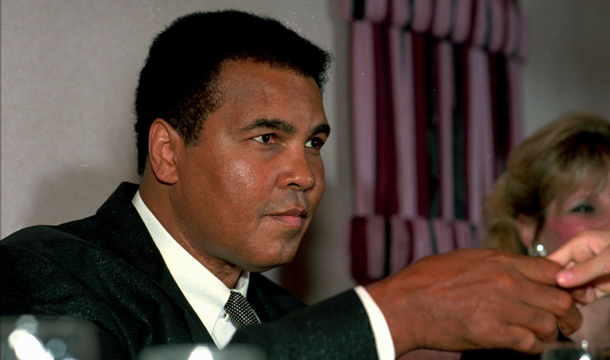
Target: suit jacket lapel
[(126, 236), (270, 301)]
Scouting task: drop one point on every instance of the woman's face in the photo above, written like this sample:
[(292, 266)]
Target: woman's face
[(581, 210)]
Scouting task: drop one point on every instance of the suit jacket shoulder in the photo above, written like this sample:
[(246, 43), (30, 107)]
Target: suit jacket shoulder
[(106, 269)]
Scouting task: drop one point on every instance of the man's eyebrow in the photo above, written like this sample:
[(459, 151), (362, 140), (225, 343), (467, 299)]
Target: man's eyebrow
[(283, 126), (321, 129), (271, 124)]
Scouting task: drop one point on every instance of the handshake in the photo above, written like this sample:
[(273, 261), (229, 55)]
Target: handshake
[(483, 298), (586, 259)]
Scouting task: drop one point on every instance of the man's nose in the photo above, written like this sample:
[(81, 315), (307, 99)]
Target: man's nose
[(297, 171)]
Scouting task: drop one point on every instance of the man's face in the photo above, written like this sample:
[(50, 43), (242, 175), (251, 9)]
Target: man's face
[(247, 191)]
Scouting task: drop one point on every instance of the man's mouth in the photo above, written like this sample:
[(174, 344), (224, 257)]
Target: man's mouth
[(292, 217)]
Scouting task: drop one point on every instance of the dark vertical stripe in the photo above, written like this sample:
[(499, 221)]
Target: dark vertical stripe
[(467, 111), (411, 243), (387, 263), (459, 135), (358, 10), (386, 192), (489, 22), (454, 235), (466, 125), (491, 63), (500, 112), (421, 123), (433, 241), (432, 137), (504, 115), (358, 248)]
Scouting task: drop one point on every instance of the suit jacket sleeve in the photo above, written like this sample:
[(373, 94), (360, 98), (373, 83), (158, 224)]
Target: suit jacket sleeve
[(131, 313)]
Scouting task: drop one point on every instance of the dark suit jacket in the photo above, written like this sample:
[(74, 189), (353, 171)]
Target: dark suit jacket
[(107, 270)]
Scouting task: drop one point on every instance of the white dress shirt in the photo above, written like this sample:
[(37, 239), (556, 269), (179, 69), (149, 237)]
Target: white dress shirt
[(208, 295), (204, 291)]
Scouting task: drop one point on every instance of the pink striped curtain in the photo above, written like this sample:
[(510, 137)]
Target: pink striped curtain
[(435, 109)]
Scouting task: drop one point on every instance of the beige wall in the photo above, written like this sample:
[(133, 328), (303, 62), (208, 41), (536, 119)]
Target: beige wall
[(568, 66), (69, 69)]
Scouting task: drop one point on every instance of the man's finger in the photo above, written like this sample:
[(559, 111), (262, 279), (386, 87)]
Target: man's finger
[(571, 322), (583, 295), (542, 312), (537, 269)]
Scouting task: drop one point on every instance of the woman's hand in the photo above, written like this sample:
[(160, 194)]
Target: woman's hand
[(587, 261)]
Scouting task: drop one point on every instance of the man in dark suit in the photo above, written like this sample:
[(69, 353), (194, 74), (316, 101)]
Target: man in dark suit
[(229, 132)]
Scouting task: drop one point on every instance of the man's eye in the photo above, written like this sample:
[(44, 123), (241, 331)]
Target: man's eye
[(315, 143), (583, 209), (265, 139)]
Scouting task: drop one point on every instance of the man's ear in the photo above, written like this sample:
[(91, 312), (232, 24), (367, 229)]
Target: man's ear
[(163, 143), (527, 227)]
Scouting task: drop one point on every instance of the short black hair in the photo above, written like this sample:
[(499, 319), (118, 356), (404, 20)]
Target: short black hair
[(178, 82)]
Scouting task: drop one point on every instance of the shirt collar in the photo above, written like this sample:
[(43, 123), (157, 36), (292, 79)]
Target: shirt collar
[(204, 291)]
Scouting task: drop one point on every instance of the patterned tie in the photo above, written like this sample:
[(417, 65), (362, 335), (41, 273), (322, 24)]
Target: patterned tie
[(240, 311)]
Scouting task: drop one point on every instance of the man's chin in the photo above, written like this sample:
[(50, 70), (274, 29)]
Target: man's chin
[(262, 266)]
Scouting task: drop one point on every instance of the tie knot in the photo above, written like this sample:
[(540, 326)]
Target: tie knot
[(240, 311)]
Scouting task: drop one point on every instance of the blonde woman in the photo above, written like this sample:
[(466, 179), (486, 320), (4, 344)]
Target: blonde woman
[(557, 187)]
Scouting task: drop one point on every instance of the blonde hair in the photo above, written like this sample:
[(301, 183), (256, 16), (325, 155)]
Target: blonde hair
[(550, 164)]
